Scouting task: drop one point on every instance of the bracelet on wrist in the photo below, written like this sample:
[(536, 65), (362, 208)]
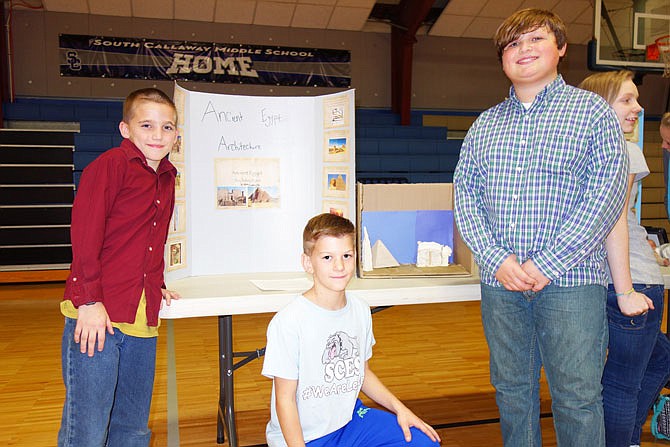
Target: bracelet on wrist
[(627, 292)]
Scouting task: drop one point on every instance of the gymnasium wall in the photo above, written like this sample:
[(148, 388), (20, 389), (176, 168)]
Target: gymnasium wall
[(448, 73)]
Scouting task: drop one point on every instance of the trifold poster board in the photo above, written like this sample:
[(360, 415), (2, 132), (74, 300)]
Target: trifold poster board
[(251, 171), (394, 218)]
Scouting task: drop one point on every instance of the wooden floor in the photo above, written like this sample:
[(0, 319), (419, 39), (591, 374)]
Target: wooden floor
[(433, 357)]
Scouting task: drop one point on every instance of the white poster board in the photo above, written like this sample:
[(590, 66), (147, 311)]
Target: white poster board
[(252, 171)]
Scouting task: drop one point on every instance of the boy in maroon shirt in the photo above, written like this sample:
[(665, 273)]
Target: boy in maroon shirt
[(120, 221)]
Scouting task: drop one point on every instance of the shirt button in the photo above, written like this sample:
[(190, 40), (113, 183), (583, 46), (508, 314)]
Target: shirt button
[(154, 224), (145, 275), (151, 249), (158, 201), (523, 142), (514, 197), (512, 225), (519, 169), (74, 279)]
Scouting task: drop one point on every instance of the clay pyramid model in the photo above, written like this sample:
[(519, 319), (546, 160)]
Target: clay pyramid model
[(382, 257), (366, 249)]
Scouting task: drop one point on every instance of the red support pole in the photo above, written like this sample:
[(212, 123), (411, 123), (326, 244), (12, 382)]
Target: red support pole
[(403, 52), (411, 15)]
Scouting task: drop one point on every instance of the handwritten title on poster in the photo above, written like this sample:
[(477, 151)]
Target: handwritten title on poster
[(215, 117)]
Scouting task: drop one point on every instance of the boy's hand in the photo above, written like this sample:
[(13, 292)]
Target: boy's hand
[(407, 419), (634, 304), (91, 324), (169, 295), (513, 277), (540, 280)]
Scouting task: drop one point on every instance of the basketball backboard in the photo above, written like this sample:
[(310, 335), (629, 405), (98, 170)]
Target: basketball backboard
[(625, 34)]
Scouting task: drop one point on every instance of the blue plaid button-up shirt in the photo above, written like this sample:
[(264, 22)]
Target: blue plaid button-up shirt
[(545, 183)]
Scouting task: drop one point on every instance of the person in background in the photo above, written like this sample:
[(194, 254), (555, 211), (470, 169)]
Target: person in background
[(659, 253), (638, 359), (664, 130), (539, 184), (115, 289)]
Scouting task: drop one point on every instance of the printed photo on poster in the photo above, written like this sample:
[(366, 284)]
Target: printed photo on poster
[(178, 221), (177, 152), (336, 181), (336, 207), (176, 254), (336, 111), (247, 183), (179, 99), (336, 146), (179, 181)]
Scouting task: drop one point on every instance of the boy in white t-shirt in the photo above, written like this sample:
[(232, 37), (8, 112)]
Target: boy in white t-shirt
[(317, 354)]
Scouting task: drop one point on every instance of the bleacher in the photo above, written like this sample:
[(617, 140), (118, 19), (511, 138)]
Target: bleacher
[(97, 121), (409, 154), (385, 150)]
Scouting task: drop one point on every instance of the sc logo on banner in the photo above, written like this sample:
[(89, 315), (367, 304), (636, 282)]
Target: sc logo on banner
[(73, 61)]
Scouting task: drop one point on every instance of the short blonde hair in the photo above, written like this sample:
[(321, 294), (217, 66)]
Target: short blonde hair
[(665, 120), (146, 94), (525, 21), (325, 224), (607, 84)]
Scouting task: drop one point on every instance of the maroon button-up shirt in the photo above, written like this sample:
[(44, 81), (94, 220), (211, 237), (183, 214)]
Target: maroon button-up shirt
[(120, 222)]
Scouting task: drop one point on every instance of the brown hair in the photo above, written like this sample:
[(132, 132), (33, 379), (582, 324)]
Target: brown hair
[(145, 94), (325, 225), (526, 21), (665, 119), (607, 84)]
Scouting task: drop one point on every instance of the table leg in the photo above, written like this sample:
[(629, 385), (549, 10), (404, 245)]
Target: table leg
[(226, 411)]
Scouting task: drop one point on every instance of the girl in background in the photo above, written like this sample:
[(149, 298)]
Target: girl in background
[(638, 360)]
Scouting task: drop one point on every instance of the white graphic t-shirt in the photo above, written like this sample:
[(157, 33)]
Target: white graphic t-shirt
[(643, 266), (325, 351)]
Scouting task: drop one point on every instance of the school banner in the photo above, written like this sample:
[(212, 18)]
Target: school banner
[(132, 58)]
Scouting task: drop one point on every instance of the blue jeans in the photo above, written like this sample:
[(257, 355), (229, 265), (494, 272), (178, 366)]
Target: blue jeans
[(107, 396), (564, 329), (637, 368), (370, 427)]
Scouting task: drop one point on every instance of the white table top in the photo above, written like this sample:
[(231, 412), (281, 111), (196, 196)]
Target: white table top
[(666, 276), (212, 295), (235, 294)]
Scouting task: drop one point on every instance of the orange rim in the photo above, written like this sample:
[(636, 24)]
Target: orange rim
[(663, 42)]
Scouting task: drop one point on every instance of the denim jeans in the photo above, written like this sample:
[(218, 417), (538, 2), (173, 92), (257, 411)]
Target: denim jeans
[(107, 396), (564, 329), (637, 367)]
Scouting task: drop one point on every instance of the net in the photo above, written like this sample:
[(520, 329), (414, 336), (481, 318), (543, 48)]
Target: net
[(663, 45)]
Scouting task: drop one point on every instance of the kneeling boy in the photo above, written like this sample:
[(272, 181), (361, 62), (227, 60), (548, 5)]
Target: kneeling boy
[(317, 354)]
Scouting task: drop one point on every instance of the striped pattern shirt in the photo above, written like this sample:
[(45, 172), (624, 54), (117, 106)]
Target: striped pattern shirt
[(545, 183)]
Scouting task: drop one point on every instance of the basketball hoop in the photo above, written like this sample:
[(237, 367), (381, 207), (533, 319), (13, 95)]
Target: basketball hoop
[(663, 45)]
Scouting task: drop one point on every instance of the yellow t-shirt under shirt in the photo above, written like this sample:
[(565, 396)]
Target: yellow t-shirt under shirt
[(137, 329)]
